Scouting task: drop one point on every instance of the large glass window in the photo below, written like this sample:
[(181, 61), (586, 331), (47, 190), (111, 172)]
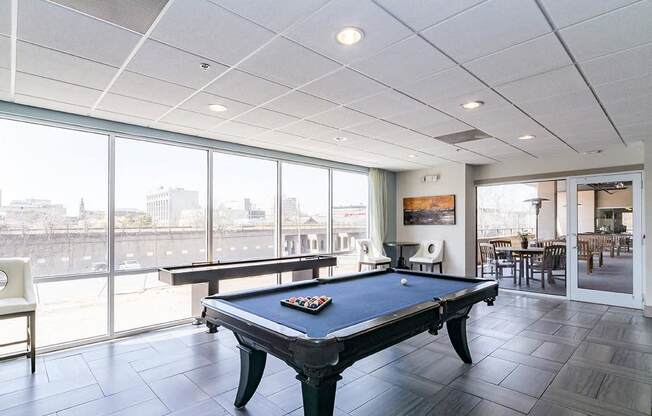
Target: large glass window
[(244, 207), (53, 210), (350, 200), (160, 220), (304, 210)]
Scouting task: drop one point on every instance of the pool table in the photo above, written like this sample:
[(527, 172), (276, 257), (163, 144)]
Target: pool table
[(370, 311)]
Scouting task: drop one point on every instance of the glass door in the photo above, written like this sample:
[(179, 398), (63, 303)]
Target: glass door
[(605, 239)]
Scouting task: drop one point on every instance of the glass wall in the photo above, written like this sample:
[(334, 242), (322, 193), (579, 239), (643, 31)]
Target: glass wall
[(53, 209), (304, 215), (350, 203), (59, 187)]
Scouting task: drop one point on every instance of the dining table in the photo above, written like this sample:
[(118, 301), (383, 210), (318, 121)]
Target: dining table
[(400, 261), (524, 256)]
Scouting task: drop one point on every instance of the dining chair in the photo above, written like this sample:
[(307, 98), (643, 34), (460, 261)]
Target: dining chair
[(496, 265), (553, 259), (429, 253), (584, 253), (17, 300), (369, 256)]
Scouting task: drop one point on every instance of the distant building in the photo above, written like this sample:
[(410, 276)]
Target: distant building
[(290, 208), (166, 205), (33, 212)]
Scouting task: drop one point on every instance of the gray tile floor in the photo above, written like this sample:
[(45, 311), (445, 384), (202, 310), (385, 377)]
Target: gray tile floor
[(531, 356)]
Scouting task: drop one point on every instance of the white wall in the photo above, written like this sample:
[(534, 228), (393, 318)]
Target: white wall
[(453, 180)]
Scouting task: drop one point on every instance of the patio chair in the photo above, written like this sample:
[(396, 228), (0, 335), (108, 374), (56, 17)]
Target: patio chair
[(584, 253), (496, 265), (369, 256), (429, 253), (553, 259), (17, 300)]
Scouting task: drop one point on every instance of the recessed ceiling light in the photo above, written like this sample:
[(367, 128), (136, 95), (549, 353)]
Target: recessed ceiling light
[(350, 36), (218, 108), (205, 66), (472, 105), (340, 139), (527, 137), (412, 156), (592, 152)]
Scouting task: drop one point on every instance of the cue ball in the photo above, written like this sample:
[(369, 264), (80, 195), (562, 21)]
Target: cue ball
[(404, 282)]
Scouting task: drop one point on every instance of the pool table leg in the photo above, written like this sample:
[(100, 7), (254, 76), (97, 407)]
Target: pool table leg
[(319, 396), (457, 334), (252, 365)]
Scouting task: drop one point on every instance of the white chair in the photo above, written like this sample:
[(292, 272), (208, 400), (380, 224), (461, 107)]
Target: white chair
[(429, 253), (17, 300), (369, 256)]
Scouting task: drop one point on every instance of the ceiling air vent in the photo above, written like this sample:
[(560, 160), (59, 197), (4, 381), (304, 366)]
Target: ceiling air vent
[(463, 136)]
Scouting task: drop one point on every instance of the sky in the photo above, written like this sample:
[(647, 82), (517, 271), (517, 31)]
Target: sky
[(65, 165)]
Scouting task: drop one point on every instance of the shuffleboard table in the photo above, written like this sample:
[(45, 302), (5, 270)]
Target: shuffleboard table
[(370, 311)]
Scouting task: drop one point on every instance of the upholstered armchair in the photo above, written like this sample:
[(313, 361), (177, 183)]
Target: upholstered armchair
[(369, 256), (17, 299), (430, 253)]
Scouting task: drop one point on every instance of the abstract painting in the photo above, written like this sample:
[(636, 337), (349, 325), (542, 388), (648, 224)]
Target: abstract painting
[(429, 210)]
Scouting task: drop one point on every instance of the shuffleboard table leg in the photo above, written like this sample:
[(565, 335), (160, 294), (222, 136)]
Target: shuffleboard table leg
[(318, 396), (252, 365), (457, 334)]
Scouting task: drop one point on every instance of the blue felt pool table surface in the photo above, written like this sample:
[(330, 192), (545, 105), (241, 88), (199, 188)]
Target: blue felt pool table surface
[(354, 300)]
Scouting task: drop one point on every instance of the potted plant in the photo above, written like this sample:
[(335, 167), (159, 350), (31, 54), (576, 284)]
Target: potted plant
[(524, 235)]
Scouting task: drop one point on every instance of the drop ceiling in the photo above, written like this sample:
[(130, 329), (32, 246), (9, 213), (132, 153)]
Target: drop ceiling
[(575, 74)]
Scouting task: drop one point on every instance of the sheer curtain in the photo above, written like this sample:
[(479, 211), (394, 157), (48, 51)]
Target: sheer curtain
[(378, 210)]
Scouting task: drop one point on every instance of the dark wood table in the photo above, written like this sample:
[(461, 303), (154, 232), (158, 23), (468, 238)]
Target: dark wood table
[(400, 262), (320, 347)]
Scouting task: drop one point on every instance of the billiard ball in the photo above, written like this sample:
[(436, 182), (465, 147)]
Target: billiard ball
[(404, 281)]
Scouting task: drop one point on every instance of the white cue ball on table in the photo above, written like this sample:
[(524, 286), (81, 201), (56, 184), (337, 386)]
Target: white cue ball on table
[(404, 281)]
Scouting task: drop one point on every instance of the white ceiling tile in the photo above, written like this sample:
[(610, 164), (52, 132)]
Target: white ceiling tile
[(419, 14), (288, 63), (630, 110), (437, 147), (132, 106), (199, 104), (631, 63), (343, 86), (161, 61), (305, 128), (319, 30), (5, 17), (178, 128), (487, 28), (628, 88), (49, 104), (55, 27), (506, 113), (272, 14), (556, 82), (121, 118), (386, 104), (60, 66), (145, 88), (281, 138), (55, 90), (234, 128), (621, 29), (565, 13), (246, 88), (206, 29), (376, 128), (512, 131), (446, 84), (425, 116), (5, 51), (444, 128), (453, 105), (489, 147), (560, 103), (526, 59), (640, 130), (464, 156), (597, 137), (266, 118), (341, 117), (191, 119), (299, 104), (133, 15), (404, 62)]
